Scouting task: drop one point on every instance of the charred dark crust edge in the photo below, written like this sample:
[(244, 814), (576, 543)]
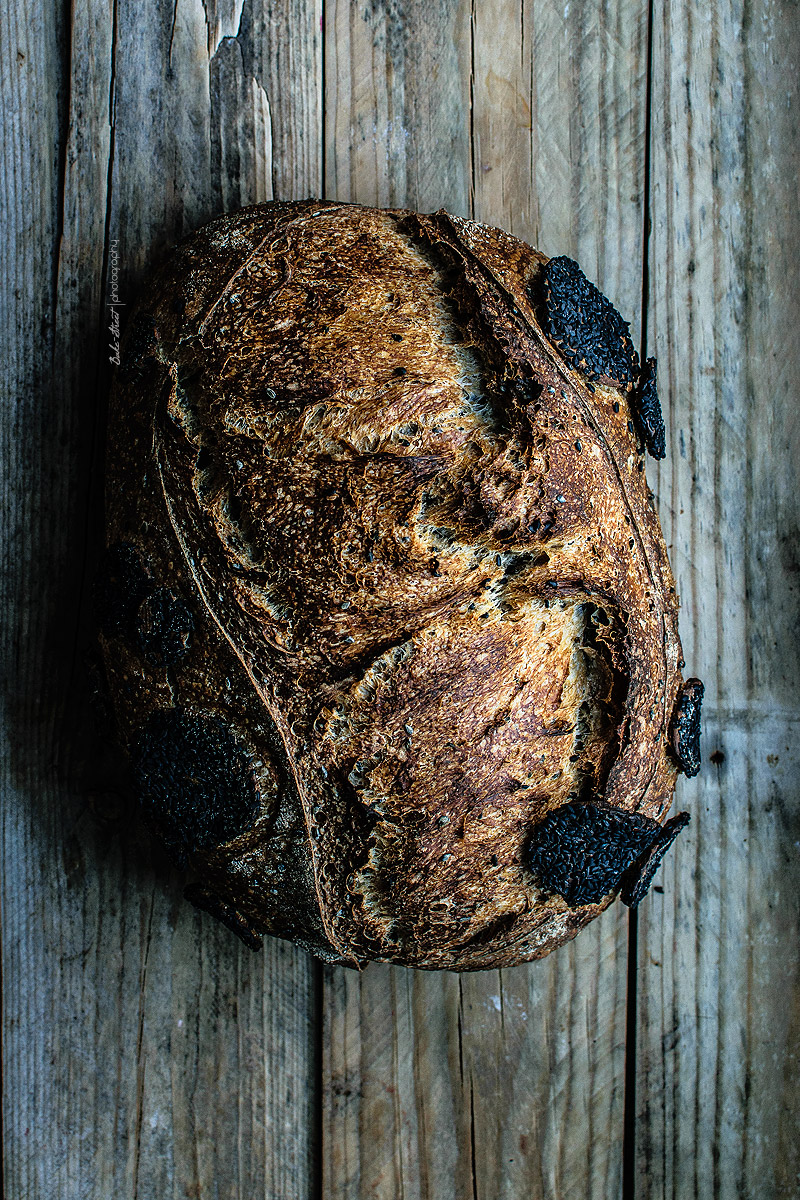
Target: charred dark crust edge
[(636, 881), (684, 730), (141, 341), (646, 408), (121, 584), (207, 902)]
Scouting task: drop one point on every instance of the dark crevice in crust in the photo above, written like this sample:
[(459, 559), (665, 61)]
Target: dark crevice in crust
[(646, 408), (464, 311), (601, 715)]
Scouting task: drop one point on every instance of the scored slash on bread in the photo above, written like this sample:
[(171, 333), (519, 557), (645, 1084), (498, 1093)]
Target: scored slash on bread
[(387, 611)]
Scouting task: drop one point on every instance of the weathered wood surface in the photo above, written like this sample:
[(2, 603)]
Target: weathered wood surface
[(502, 1083), (719, 993), (145, 1053)]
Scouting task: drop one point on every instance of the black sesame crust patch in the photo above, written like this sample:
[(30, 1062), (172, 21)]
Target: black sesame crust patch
[(164, 627), (586, 849), (585, 326), (684, 729), (637, 879), (197, 895), (196, 782), (128, 604), (121, 584), (646, 408)]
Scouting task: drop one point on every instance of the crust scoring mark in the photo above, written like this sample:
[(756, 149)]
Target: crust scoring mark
[(430, 229), (161, 457), (401, 838)]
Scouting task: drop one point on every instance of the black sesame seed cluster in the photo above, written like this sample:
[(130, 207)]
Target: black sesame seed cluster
[(685, 727), (195, 779), (595, 340), (587, 849), (164, 626), (647, 410), (585, 326), (128, 604)]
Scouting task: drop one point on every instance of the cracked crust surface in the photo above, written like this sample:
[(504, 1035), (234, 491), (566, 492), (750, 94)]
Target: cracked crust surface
[(429, 590)]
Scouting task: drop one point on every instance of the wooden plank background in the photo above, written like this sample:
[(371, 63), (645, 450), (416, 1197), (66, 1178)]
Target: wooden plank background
[(146, 1054)]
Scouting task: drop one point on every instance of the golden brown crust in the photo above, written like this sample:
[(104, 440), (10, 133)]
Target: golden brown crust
[(430, 591)]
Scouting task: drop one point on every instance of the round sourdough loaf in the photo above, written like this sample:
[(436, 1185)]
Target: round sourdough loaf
[(388, 623)]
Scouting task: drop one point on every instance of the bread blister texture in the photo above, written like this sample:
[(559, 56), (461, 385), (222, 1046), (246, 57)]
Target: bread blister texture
[(390, 586)]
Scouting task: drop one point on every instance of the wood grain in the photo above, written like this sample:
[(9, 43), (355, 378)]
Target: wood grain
[(146, 1052), (719, 992), (499, 1083), (397, 103)]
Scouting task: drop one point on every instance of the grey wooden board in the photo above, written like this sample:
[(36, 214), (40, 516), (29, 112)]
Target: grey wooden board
[(145, 1052), (504, 1083), (719, 993)]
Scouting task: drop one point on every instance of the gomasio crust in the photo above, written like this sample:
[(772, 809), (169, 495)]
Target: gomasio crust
[(390, 565)]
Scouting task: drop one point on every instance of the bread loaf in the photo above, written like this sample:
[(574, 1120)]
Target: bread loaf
[(388, 622)]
